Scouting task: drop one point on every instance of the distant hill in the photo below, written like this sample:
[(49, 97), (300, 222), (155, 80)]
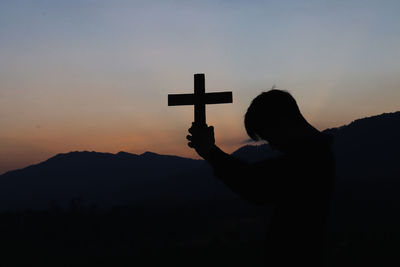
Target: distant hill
[(367, 153), (103, 179), (369, 148)]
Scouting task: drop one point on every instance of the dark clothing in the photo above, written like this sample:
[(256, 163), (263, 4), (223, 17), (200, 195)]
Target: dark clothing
[(299, 186)]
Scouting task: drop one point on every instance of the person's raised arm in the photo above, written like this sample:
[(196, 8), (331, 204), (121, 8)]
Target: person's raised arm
[(245, 179)]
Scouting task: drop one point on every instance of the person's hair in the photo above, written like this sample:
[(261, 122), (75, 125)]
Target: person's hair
[(270, 109)]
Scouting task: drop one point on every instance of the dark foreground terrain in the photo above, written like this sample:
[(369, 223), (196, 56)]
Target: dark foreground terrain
[(192, 236), (77, 236)]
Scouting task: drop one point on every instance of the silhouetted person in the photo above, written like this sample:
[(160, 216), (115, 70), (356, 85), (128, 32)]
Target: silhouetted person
[(298, 183)]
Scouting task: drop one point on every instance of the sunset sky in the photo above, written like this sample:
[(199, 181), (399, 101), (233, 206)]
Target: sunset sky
[(94, 74)]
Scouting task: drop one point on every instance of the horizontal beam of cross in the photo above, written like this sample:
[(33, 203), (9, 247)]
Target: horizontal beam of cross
[(208, 98)]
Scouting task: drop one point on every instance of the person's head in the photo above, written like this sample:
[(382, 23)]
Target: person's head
[(275, 117)]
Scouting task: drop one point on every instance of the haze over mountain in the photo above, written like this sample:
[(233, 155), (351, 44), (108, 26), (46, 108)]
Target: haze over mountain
[(366, 151)]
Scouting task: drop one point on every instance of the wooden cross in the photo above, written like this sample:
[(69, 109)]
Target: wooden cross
[(199, 99)]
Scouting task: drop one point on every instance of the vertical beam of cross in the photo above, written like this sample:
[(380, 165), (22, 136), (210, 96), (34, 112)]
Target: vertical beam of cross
[(199, 103), (199, 99)]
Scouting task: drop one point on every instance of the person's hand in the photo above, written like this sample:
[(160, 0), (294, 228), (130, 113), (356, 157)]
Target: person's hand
[(201, 139)]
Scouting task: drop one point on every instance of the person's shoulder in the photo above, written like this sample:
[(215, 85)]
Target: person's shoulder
[(319, 141), (276, 162), (325, 137), (320, 138)]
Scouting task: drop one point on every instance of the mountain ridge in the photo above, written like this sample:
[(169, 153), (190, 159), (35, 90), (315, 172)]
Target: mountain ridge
[(248, 148), (366, 150)]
